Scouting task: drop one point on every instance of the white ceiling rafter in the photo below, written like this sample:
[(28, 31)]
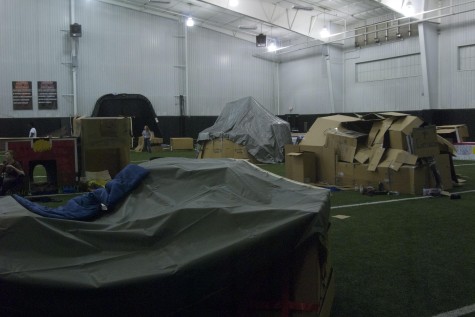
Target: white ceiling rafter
[(289, 26)]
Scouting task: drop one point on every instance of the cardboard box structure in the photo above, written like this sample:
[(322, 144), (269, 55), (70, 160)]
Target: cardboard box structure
[(392, 149), (224, 148), (105, 144), (181, 144)]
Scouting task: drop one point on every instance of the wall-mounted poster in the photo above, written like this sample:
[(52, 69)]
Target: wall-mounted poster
[(47, 95), (22, 95)]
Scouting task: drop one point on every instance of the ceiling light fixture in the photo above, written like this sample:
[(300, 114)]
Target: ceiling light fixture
[(272, 47), (233, 3), (305, 8), (190, 22), (409, 9), (324, 33), (271, 43)]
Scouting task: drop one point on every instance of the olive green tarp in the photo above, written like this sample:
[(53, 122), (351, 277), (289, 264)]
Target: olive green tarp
[(191, 237)]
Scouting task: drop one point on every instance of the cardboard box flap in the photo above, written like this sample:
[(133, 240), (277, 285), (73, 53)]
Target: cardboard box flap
[(395, 158), (461, 128), (371, 116), (376, 155), (316, 134), (362, 155), (378, 130), (446, 130), (406, 124), (446, 146), (345, 133), (393, 114), (345, 142)]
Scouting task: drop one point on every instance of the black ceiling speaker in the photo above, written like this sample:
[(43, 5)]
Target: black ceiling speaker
[(75, 30), (261, 40)]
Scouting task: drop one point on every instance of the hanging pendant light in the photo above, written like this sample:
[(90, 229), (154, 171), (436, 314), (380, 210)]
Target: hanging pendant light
[(190, 22), (324, 33)]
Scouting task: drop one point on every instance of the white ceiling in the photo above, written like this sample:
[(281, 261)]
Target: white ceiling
[(278, 19)]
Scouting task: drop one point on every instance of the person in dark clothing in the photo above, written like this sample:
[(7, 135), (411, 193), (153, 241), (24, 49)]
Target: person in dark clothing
[(11, 174)]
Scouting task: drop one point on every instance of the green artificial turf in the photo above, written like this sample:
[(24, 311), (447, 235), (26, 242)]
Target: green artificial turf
[(414, 256)]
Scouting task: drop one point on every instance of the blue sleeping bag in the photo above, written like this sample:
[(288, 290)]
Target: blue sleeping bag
[(89, 205)]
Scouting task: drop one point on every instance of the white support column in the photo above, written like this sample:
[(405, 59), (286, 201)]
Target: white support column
[(428, 41), (74, 65), (187, 70)]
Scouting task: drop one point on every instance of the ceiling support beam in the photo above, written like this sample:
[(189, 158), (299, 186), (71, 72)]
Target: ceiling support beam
[(279, 16)]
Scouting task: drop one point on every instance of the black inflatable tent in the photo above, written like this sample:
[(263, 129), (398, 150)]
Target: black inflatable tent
[(136, 106)]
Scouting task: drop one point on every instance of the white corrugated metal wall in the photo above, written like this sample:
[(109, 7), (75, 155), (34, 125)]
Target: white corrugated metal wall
[(456, 85), (386, 86), (33, 47), (222, 69), (126, 51), (304, 86)]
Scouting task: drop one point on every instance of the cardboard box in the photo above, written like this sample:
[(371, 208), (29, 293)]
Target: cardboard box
[(105, 144), (424, 142), (325, 162), (344, 142), (364, 178), (300, 166), (345, 174), (181, 144), (400, 130), (409, 180), (444, 167), (395, 158), (316, 134), (224, 148), (456, 133)]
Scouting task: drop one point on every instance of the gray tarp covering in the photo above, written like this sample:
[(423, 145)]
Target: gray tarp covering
[(248, 123), (193, 231)]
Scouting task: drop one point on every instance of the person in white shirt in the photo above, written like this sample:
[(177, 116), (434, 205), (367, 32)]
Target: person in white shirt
[(147, 135), (32, 130)]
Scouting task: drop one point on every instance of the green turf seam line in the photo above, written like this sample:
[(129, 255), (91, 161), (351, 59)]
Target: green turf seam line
[(394, 200), (458, 312), (468, 164)]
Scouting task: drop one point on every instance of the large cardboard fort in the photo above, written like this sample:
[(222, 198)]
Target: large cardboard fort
[(396, 151)]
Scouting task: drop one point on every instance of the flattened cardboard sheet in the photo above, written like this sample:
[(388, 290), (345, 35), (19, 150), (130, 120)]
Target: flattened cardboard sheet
[(375, 158)]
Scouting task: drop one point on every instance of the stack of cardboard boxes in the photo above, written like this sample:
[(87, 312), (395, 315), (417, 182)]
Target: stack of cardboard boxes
[(105, 143), (391, 150)]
